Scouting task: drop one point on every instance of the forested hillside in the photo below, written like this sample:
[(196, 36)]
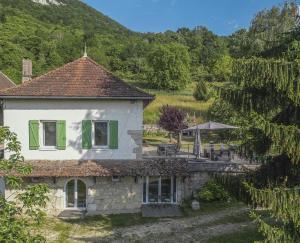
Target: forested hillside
[(52, 35)]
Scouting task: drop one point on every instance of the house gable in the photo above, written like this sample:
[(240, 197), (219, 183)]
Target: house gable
[(5, 82)]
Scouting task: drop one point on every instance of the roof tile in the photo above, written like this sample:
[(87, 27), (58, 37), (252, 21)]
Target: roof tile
[(82, 78), (85, 168), (5, 82)]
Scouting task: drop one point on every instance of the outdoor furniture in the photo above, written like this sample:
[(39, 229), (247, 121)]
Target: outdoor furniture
[(167, 149), (209, 126)]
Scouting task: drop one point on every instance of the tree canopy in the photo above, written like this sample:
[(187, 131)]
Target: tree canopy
[(170, 67), (265, 91)]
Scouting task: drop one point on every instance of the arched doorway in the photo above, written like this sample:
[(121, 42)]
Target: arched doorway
[(75, 194)]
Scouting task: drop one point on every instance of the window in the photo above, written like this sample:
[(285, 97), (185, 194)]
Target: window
[(49, 133), (166, 190), (100, 134), (159, 190)]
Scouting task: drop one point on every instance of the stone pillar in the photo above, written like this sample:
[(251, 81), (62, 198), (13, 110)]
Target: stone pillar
[(137, 136)]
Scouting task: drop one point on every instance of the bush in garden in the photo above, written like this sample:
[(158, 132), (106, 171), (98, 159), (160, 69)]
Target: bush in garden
[(201, 92), (213, 191)]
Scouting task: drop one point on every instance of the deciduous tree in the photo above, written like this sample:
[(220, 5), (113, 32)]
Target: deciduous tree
[(170, 67), (21, 217), (173, 120)]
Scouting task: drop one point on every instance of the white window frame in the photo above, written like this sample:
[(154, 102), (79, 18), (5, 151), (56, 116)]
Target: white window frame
[(159, 191), (75, 195), (93, 135), (42, 135)]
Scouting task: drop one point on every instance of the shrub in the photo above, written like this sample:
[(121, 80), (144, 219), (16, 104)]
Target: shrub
[(201, 92), (212, 191)]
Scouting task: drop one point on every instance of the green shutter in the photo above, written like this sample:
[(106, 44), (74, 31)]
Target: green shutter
[(86, 134), (113, 134), (61, 135), (34, 135)]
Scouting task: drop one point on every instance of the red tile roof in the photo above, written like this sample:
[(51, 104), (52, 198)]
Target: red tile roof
[(5, 82), (82, 78), (85, 168)]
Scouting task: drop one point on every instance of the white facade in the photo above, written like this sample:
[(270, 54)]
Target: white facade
[(129, 114)]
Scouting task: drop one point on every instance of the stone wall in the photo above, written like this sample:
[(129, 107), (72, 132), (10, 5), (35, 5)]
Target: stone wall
[(103, 195), (106, 196), (194, 182)]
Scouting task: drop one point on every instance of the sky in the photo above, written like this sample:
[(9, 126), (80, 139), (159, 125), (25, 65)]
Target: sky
[(221, 16)]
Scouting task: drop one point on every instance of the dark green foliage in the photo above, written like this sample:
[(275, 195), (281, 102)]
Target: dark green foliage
[(170, 67), (234, 185), (268, 31), (212, 191), (54, 35), (265, 91), (222, 69), (201, 92)]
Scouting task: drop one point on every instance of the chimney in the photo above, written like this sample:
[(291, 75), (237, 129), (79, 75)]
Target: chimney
[(26, 70)]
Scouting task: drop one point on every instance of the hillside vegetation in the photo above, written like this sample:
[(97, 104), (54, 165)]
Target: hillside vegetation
[(52, 35), (169, 64)]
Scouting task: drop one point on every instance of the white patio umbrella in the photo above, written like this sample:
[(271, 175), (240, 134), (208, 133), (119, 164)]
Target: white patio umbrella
[(197, 144), (206, 126), (211, 126)]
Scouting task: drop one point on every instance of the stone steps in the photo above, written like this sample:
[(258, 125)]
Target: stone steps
[(72, 214), (161, 210)]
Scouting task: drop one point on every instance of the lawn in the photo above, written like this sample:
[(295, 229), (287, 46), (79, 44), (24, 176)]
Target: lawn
[(214, 222), (182, 99), (244, 236), (62, 229)]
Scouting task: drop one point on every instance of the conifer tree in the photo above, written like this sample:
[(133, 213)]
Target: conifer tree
[(267, 93)]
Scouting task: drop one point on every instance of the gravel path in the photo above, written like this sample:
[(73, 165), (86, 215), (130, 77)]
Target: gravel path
[(192, 229)]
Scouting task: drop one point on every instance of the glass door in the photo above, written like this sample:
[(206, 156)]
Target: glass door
[(166, 190), (70, 194), (75, 194), (159, 190), (81, 194), (153, 189)]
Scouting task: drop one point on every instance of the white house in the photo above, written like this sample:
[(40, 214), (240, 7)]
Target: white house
[(80, 128)]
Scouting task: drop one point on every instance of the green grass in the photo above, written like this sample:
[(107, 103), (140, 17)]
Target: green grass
[(245, 236), (182, 99), (104, 224), (208, 207), (239, 217), (249, 234), (112, 221), (63, 229)]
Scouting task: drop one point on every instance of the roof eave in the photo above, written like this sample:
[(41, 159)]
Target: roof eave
[(79, 97)]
